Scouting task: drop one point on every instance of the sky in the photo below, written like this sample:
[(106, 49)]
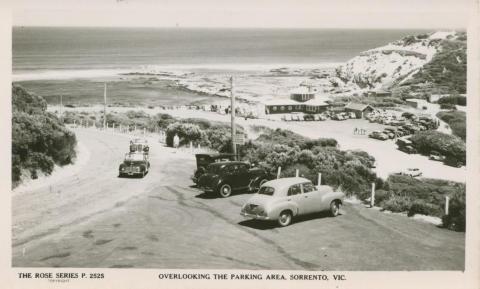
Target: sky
[(244, 13)]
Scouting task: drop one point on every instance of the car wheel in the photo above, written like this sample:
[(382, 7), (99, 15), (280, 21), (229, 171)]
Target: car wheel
[(285, 218), (334, 208), (225, 190)]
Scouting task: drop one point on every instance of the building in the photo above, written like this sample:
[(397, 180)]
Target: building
[(417, 103), (359, 109), (301, 100)]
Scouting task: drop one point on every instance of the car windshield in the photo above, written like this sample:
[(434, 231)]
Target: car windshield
[(266, 191), (134, 158)]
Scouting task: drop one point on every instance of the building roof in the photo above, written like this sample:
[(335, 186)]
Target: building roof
[(357, 106), (302, 90), (315, 101), (282, 101)]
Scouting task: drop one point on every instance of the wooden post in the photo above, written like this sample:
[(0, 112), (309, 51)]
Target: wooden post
[(319, 179), (447, 204), (278, 172), (296, 173), (372, 197)]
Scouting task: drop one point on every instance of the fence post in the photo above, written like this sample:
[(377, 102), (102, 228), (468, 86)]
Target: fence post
[(191, 147), (372, 197), (319, 179), (113, 128), (447, 204), (278, 172), (296, 173)]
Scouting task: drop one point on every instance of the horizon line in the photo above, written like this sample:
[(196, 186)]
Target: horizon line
[(244, 27)]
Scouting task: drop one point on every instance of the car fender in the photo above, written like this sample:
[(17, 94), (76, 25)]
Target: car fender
[(329, 197), (276, 208)]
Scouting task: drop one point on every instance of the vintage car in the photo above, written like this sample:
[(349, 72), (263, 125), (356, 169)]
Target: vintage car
[(282, 199), (203, 160), (139, 145), (225, 177), (411, 172), (453, 162), (378, 135), (134, 164), (436, 156)]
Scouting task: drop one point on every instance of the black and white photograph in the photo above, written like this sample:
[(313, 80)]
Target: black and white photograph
[(259, 136)]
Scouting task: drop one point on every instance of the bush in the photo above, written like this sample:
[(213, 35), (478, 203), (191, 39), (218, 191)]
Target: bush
[(457, 120), (454, 99), (186, 132), (447, 145), (39, 139), (448, 106), (455, 220), (396, 204), (424, 208)]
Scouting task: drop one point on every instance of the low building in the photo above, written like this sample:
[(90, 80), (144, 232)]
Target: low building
[(416, 103), (379, 93), (301, 100), (359, 109)]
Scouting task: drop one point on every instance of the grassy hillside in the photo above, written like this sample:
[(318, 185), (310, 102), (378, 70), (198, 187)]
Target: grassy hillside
[(457, 120), (446, 72), (39, 139)]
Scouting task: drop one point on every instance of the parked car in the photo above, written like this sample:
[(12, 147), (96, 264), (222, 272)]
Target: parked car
[(139, 145), (412, 172), (203, 160), (407, 149), (134, 164), (436, 156), (225, 177), (378, 135), (282, 199)]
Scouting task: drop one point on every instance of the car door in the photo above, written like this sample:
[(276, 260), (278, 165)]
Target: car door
[(242, 175), (229, 175), (311, 198), (295, 195)]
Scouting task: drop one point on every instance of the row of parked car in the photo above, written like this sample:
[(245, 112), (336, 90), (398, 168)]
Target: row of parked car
[(407, 127), (277, 200), (319, 117)]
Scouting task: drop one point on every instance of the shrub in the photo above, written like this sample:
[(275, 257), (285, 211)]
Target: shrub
[(448, 106), (396, 203), (186, 132), (448, 145), (424, 208), (455, 220), (39, 139), (457, 120)]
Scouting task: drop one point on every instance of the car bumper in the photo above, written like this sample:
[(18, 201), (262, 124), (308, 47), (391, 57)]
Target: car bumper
[(254, 216), (206, 189)]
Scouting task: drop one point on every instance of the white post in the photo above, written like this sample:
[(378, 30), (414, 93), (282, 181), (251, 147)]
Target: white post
[(278, 172), (74, 122), (319, 179), (372, 198), (191, 147), (296, 173), (144, 131), (120, 128), (135, 129), (447, 203), (199, 146), (113, 128)]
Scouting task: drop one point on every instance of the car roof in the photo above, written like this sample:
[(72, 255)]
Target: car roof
[(280, 184), (228, 163)]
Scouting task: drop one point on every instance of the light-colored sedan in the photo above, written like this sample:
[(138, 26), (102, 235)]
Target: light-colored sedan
[(282, 199)]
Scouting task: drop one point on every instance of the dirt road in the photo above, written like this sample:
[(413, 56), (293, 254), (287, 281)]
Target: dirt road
[(91, 218)]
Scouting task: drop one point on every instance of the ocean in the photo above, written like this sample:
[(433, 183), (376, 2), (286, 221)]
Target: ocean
[(61, 52)]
